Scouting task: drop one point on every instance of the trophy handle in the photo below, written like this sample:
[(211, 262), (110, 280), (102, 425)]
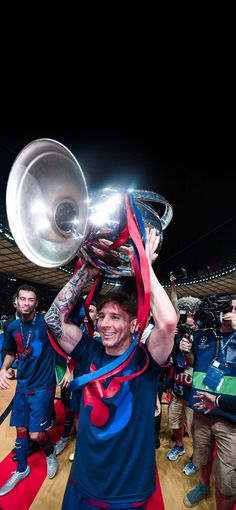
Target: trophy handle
[(151, 196)]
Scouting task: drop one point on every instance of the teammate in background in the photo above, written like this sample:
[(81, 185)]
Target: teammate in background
[(32, 404)]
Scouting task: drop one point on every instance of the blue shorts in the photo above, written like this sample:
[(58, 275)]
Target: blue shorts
[(74, 500), (32, 410)]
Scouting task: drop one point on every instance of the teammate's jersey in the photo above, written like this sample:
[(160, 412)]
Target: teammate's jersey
[(37, 369)]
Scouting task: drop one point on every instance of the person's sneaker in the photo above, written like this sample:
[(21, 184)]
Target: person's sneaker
[(201, 491), (16, 477), (52, 465), (72, 456), (190, 468), (61, 445), (175, 452)]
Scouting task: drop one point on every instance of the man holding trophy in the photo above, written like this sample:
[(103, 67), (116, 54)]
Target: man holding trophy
[(114, 462)]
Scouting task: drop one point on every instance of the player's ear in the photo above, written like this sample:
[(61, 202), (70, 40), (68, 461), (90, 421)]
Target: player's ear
[(133, 325)]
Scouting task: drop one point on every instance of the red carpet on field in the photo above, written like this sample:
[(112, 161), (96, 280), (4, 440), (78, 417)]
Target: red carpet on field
[(25, 492), (23, 495)]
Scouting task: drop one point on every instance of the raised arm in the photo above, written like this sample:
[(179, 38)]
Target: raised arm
[(65, 332), (161, 339), (173, 294)]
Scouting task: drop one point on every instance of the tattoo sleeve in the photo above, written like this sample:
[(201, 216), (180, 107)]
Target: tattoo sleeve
[(65, 301)]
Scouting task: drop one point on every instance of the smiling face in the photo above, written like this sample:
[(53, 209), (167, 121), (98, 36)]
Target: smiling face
[(115, 326), (26, 304)]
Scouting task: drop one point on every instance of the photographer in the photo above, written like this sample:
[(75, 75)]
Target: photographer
[(179, 415), (215, 372)]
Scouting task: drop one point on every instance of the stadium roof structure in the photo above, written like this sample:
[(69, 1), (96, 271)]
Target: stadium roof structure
[(14, 265)]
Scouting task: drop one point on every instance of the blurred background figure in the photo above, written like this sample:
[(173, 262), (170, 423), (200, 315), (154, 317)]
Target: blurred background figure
[(180, 416)]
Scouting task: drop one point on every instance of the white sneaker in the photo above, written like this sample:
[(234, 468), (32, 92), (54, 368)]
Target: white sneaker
[(52, 465), (174, 453), (190, 468), (61, 445), (16, 477)]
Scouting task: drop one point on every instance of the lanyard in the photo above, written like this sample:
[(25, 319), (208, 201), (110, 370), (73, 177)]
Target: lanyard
[(223, 347), (220, 347), (217, 345), (26, 342)]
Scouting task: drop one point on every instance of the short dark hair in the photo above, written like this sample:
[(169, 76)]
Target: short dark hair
[(121, 298), (28, 288)]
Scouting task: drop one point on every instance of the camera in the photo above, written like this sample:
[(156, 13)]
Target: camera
[(210, 311), (183, 329), (180, 273)]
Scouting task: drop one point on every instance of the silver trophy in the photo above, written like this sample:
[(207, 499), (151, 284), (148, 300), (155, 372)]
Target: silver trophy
[(53, 218)]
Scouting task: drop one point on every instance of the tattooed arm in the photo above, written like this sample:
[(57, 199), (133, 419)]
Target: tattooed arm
[(65, 332)]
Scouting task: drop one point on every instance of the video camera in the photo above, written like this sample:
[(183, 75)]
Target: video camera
[(210, 311)]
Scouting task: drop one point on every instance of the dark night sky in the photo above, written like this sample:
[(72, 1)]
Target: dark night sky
[(178, 159)]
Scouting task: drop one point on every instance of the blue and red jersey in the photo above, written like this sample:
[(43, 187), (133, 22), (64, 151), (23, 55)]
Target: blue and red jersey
[(182, 373), (115, 451), (37, 370)]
